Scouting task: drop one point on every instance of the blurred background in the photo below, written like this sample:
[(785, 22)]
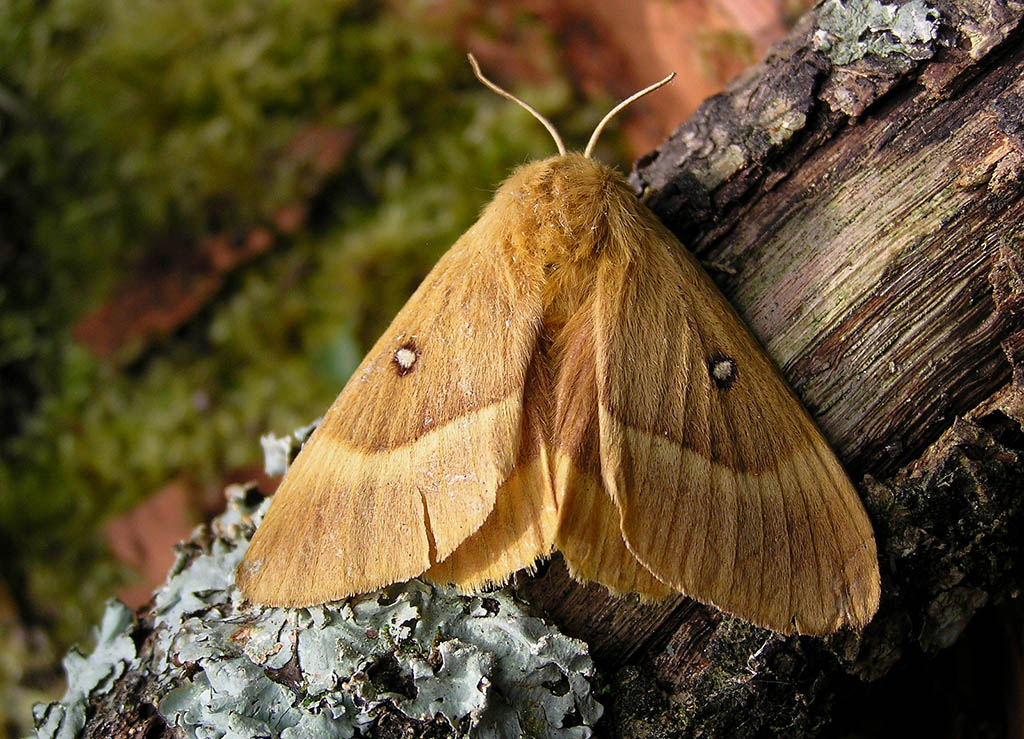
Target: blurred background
[(210, 209)]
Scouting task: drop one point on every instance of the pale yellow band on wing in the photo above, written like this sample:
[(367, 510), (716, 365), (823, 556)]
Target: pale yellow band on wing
[(519, 532), (590, 536), (789, 547), (391, 513)]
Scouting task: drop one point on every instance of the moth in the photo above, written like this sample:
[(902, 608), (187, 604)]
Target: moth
[(567, 377)]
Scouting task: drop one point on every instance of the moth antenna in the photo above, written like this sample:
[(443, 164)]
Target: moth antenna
[(612, 113), (513, 98)]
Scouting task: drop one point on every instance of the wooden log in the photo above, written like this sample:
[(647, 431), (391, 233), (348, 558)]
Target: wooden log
[(863, 212)]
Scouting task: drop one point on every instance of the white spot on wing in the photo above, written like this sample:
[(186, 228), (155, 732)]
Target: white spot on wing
[(405, 358), (723, 369)]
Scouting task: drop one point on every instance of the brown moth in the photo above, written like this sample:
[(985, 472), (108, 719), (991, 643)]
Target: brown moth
[(567, 377)]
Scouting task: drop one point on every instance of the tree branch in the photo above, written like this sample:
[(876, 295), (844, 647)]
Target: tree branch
[(858, 198), (858, 195)]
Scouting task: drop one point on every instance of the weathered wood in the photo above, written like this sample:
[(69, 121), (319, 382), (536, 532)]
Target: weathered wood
[(865, 218), (862, 248)]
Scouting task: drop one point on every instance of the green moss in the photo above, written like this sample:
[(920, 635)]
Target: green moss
[(163, 121)]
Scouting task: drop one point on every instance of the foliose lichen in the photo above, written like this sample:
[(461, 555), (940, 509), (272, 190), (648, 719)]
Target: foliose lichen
[(848, 31), (88, 676), (220, 667), (278, 450)]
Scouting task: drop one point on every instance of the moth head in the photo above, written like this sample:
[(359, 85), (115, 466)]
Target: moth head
[(564, 204)]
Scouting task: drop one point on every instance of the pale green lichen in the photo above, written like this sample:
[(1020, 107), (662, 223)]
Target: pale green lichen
[(222, 667), (279, 450), (848, 31), (480, 662), (88, 676)]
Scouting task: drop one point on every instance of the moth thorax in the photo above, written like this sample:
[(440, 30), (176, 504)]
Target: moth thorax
[(564, 207)]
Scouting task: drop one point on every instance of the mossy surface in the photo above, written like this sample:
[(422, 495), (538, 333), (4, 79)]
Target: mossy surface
[(129, 133)]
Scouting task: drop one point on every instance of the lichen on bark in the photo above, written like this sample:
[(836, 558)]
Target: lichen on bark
[(211, 665)]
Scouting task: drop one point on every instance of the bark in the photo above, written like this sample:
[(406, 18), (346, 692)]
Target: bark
[(858, 196)]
